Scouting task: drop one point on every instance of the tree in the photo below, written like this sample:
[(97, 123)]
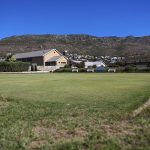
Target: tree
[(81, 65), (10, 58)]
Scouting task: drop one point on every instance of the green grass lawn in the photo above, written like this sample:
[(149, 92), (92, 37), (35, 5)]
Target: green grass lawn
[(74, 111)]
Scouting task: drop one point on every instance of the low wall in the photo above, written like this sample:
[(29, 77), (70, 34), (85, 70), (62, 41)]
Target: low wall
[(48, 68)]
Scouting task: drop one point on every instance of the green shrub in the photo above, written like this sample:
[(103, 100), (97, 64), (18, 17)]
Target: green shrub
[(64, 70), (67, 66), (130, 69), (70, 70), (14, 66), (80, 65), (82, 70)]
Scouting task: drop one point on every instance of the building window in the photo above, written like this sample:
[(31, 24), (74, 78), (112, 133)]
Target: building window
[(50, 63), (25, 59)]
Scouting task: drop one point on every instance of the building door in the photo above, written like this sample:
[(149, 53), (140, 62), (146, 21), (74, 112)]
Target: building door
[(33, 67)]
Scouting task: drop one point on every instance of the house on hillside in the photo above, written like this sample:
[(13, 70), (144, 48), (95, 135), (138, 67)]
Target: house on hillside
[(46, 60), (95, 63), (75, 62)]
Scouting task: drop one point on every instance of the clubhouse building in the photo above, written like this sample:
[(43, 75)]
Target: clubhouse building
[(45, 60)]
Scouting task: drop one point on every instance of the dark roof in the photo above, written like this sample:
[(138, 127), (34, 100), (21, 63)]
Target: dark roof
[(31, 54), (55, 58)]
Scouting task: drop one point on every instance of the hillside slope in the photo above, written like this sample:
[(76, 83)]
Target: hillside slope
[(81, 44)]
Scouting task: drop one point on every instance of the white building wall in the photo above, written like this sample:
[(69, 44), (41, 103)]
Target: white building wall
[(97, 63)]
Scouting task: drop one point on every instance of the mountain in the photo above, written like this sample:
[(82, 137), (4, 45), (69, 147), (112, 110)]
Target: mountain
[(78, 43)]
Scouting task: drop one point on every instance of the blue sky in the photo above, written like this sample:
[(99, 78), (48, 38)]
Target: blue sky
[(94, 17)]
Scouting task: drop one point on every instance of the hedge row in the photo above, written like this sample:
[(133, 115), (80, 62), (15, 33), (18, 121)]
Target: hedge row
[(132, 69), (70, 70), (123, 69), (14, 66)]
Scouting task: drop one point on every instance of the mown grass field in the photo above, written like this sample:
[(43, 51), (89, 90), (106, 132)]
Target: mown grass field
[(74, 111)]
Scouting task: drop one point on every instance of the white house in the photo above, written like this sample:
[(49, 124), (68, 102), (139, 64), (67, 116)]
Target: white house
[(95, 63)]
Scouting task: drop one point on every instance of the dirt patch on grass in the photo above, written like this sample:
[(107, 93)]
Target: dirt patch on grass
[(37, 144), (3, 102), (141, 108), (56, 135), (121, 129), (131, 132)]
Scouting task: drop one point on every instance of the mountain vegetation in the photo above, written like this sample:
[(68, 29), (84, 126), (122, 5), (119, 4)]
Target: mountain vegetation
[(79, 43)]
